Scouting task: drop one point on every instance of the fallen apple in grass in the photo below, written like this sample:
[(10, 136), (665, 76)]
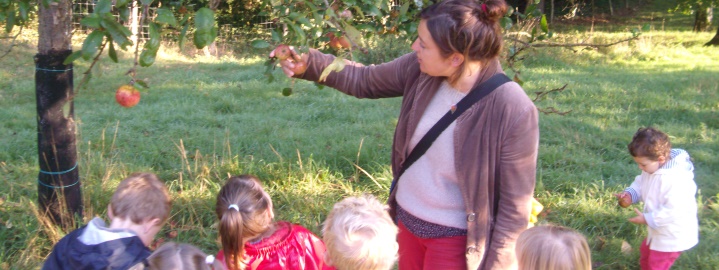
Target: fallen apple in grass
[(127, 96)]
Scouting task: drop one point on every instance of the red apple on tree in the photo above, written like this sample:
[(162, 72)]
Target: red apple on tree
[(300, 64), (127, 96), (283, 52), (338, 42)]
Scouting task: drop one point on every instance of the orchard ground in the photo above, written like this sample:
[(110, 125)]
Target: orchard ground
[(206, 118)]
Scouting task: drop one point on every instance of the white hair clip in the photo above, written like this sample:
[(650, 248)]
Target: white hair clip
[(234, 206), (210, 259)]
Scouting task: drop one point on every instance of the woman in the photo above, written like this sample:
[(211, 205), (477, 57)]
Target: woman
[(464, 202)]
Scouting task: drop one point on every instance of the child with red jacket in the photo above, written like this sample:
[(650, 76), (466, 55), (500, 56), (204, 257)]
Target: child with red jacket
[(250, 237)]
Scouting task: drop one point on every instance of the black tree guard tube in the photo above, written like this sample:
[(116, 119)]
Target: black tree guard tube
[(59, 192)]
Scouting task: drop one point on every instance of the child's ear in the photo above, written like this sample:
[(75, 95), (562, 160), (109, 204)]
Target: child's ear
[(109, 211), (151, 224), (270, 212)]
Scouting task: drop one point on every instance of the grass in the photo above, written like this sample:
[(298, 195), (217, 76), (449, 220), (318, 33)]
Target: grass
[(205, 118)]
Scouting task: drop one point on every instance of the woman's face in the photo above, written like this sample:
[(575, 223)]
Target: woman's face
[(429, 56)]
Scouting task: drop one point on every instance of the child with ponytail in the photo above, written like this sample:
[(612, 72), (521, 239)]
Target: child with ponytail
[(252, 239)]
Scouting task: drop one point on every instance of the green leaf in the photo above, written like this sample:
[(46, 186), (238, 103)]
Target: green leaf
[(337, 65), (204, 19), (358, 12), (260, 44), (147, 57), (154, 42), (183, 34), (353, 34), (373, 11), (275, 36), (204, 38), (506, 23), (404, 8), (543, 24), (146, 2), (72, 57), (24, 10), (91, 21), (103, 6), (142, 83), (111, 52), (319, 86), (536, 13), (164, 15), (299, 33), (121, 3), (119, 33), (124, 14), (305, 21), (205, 30), (312, 6), (530, 10), (10, 19), (92, 43)]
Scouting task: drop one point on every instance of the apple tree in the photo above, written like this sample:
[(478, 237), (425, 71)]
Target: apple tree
[(59, 186)]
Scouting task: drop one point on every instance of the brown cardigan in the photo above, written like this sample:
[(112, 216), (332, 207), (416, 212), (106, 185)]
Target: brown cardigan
[(495, 141)]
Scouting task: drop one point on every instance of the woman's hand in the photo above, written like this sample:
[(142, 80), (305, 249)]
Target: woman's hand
[(291, 63)]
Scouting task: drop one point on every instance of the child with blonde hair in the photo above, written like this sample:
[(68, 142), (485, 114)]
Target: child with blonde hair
[(252, 239), (138, 209), (667, 188), (177, 256), (551, 247), (360, 235)]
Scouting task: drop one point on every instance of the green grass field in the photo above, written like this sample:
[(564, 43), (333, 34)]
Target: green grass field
[(205, 118)]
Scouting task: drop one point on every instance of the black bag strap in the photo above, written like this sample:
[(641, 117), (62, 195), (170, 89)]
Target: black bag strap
[(475, 95)]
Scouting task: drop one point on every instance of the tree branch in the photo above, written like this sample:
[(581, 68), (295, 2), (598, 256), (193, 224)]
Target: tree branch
[(569, 45), (12, 43), (86, 74)]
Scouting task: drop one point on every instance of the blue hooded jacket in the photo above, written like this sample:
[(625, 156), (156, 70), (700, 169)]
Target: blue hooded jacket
[(96, 247)]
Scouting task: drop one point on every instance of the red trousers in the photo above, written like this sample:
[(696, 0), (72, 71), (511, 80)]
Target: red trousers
[(656, 260), (433, 253)]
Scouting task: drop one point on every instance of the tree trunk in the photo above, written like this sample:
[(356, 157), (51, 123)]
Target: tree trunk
[(715, 40), (59, 193), (700, 19)]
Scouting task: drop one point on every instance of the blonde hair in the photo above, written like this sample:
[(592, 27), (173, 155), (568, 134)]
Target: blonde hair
[(359, 234), (177, 256), (141, 197), (242, 209), (552, 247)]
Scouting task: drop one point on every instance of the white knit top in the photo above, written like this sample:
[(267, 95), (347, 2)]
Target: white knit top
[(428, 189)]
